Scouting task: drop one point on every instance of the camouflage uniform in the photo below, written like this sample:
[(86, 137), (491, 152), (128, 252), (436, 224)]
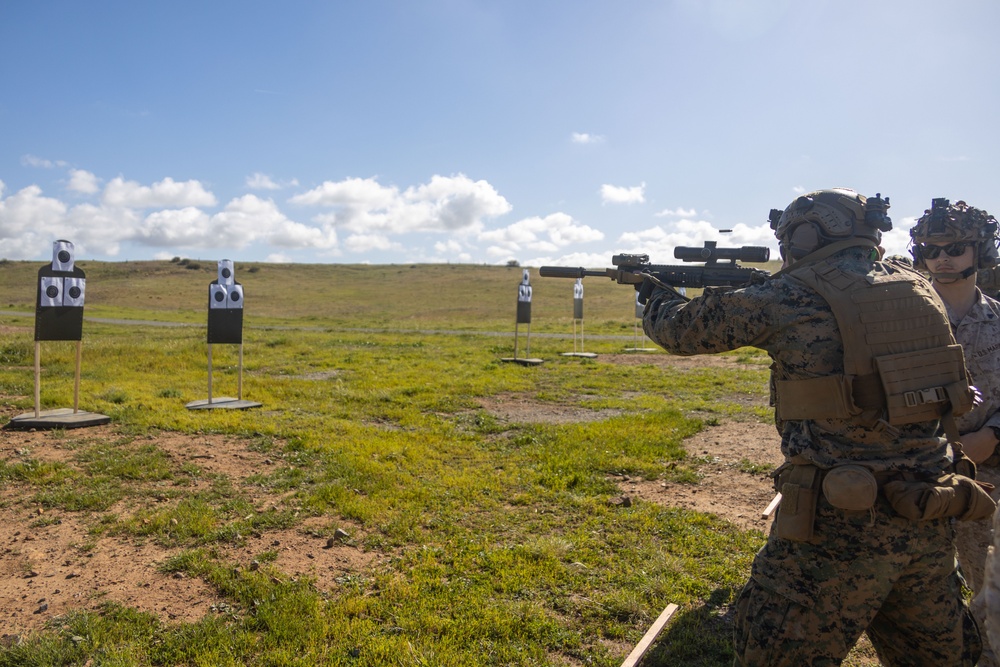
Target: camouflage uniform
[(807, 603), (979, 335)]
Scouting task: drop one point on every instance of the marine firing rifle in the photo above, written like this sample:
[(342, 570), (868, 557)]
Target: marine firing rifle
[(633, 269)]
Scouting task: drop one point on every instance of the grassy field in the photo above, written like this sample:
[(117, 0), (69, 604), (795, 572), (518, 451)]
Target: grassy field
[(501, 542)]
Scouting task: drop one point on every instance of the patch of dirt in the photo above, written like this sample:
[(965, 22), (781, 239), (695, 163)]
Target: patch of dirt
[(511, 408), (50, 563), (724, 489)]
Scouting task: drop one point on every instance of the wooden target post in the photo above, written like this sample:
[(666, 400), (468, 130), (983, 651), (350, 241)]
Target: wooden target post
[(60, 294), (225, 326), (578, 317), (523, 317)]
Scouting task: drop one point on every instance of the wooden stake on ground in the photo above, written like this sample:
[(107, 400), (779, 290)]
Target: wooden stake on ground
[(647, 640)]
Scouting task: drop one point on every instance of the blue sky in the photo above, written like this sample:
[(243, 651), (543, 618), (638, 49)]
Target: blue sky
[(478, 131)]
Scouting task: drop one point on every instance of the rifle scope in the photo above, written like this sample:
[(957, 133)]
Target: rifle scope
[(710, 253)]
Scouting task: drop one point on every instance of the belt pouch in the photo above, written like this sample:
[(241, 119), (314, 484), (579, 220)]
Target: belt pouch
[(797, 512)]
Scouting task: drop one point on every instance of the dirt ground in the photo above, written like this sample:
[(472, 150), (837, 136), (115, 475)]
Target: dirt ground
[(50, 563)]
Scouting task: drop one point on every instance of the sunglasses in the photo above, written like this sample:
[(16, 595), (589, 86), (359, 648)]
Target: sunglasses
[(928, 251)]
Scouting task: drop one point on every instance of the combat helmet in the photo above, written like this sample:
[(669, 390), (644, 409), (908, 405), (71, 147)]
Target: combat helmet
[(945, 222), (822, 217)]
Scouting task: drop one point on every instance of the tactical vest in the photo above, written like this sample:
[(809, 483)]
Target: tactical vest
[(901, 362)]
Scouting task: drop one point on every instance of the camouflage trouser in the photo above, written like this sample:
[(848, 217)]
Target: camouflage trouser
[(806, 604), (972, 539)]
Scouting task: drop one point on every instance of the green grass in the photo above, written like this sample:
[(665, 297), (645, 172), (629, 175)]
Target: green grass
[(501, 543)]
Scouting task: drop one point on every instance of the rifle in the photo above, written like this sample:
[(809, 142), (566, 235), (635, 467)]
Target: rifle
[(633, 269)]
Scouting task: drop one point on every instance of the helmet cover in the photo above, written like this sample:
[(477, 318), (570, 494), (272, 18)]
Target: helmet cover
[(945, 222), (822, 217)]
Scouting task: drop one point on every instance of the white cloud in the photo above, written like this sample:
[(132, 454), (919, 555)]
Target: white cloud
[(536, 234), (613, 194), (585, 138), (447, 203), (42, 163), (259, 181), (897, 240), (244, 220), (278, 258), (83, 182), (167, 193), (369, 242), (29, 222), (798, 189), (678, 213), (178, 228)]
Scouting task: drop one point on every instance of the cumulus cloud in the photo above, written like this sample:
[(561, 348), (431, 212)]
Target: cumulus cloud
[(83, 182), (365, 207), (167, 193), (585, 138), (29, 222), (613, 194), (537, 234), (243, 221)]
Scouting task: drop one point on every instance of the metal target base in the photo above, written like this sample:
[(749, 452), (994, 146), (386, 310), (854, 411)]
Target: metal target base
[(523, 361), (640, 349), (58, 418), (222, 403), (585, 355)]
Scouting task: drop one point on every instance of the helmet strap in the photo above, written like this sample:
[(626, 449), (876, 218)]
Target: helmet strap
[(962, 275)]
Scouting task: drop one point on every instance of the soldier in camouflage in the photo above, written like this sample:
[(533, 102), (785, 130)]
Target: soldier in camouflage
[(953, 243), (833, 569)]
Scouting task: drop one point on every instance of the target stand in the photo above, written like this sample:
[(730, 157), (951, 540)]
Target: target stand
[(639, 308), (59, 316), (225, 325), (578, 316), (581, 353), (523, 317)]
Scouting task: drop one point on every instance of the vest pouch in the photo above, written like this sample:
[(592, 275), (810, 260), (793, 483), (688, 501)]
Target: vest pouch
[(850, 487), (824, 397), (949, 495), (797, 511), (921, 386)]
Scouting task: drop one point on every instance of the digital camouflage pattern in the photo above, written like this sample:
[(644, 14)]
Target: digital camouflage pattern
[(979, 334), (799, 331), (808, 602)]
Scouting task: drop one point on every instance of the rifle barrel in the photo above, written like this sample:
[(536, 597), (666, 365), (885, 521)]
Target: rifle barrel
[(567, 272)]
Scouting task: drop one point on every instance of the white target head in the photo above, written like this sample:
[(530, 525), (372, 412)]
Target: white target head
[(62, 256), (226, 272)]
